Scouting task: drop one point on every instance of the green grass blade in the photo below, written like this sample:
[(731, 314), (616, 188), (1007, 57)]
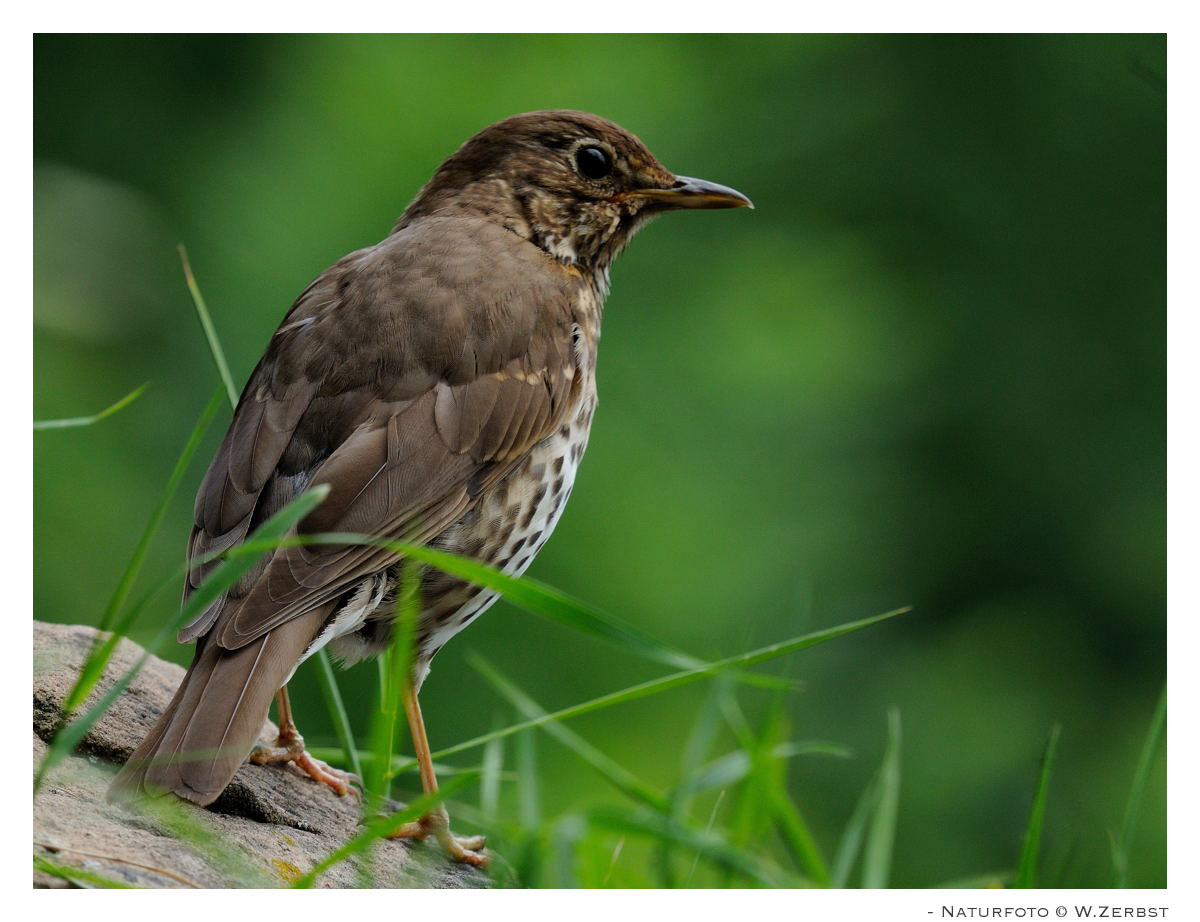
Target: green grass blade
[(210, 332), (101, 651), (528, 857), (702, 738), (732, 767), (789, 820), (853, 835), (1141, 778), (78, 876), (399, 764), (492, 772), (709, 845), (749, 817), (395, 679), (784, 811), (76, 421), (618, 776), (881, 834), (1025, 877), (568, 831), (240, 560), (380, 827), (556, 606), (529, 797), (699, 744), (677, 680), (996, 880), (550, 603), (337, 710), (708, 828), (794, 829)]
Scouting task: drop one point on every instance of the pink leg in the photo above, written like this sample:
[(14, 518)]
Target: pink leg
[(436, 823), (289, 747)]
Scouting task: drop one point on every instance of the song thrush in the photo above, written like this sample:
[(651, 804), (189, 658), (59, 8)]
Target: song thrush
[(442, 383)]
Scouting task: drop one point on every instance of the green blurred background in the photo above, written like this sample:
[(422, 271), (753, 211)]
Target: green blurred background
[(928, 369)]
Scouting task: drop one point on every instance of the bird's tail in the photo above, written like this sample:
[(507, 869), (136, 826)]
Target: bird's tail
[(216, 715)]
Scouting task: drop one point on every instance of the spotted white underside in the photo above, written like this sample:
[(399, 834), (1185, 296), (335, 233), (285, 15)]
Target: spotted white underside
[(559, 454), (526, 540)]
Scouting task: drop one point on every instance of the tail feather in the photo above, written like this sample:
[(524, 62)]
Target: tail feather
[(216, 715)]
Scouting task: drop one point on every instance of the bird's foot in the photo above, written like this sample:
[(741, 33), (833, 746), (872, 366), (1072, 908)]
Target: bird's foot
[(289, 747), (468, 849)]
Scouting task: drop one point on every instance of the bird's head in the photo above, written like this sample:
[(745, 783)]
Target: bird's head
[(576, 185)]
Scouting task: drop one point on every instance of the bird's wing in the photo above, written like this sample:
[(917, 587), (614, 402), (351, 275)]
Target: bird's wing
[(409, 378)]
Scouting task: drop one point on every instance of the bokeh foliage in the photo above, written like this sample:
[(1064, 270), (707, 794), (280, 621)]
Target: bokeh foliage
[(928, 369)]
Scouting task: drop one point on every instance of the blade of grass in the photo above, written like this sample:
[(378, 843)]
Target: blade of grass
[(530, 856), (451, 564), (210, 332), (994, 881), (1123, 844), (618, 776), (699, 743), (852, 836), (710, 845), (1066, 866), (675, 680), (102, 650), (464, 567), (78, 876), (550, 603), (712, 820), (337, 709), (529, 801), (395, 679), (240, 560), (400, 764), (124, 862), (492, 771), (788, 819), (612, 862), (881, 834), (568, 831), (529, 594), (556, 606), (380, 827), (794, 828), (732, 767), (76, 421), (1025, 877), (749, 816), (784, 812)]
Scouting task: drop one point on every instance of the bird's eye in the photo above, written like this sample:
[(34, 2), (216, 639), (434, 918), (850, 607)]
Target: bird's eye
[(593, 162)]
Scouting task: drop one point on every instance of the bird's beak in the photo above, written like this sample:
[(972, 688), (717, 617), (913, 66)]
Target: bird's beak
[(687, 192)]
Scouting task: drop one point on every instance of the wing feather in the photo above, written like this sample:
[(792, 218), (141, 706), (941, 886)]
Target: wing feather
[(409, 400)]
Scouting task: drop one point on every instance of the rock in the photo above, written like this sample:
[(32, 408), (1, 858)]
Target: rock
[(271, 825)]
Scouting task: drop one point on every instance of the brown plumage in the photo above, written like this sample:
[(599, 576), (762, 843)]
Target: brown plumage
[(442, 383)]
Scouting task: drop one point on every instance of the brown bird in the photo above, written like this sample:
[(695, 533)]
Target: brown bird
[(442, 383)]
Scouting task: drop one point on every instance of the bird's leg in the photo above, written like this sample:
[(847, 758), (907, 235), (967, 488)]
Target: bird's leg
[(436, 822), (289, 747)]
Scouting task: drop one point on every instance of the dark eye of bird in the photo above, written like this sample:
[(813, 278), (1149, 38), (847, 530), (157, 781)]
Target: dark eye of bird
[(593, 162)]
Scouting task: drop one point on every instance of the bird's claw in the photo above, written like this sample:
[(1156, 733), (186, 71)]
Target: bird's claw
[(468, 849), (291, 749)]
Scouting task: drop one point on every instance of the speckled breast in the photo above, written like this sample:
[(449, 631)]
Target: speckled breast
[(506, 528)]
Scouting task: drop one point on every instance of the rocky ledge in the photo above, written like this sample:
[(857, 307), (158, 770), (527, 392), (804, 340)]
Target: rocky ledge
[(270, 826)]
